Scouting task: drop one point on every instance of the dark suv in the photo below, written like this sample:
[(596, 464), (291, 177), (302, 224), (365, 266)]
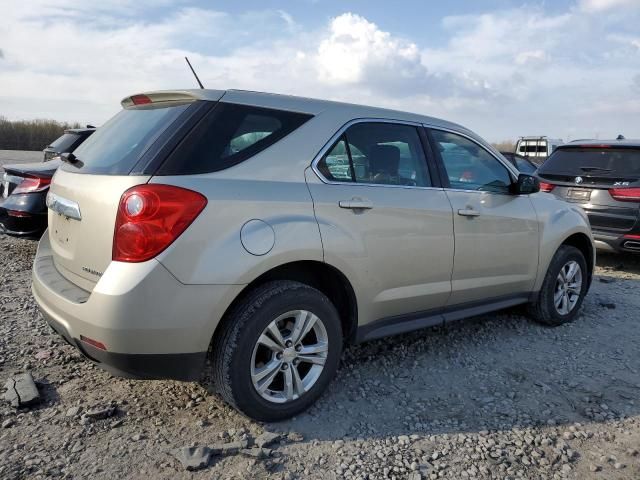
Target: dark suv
[(603, 176)]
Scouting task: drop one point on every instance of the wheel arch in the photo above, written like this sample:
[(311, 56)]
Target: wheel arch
[(583, 243), (322, 276)]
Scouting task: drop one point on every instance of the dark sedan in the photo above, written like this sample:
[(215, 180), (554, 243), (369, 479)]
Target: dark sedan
[(23, 192)]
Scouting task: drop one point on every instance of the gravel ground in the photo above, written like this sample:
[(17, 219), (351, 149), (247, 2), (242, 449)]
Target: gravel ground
[(491, 397), (19, 156)]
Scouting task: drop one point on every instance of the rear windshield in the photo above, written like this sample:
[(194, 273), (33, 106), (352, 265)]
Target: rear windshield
[(598, 161), (116, 147), (64, 143), (228, 135)]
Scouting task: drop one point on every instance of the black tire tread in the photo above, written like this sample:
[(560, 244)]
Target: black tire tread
[(540, 310), (226, 340)]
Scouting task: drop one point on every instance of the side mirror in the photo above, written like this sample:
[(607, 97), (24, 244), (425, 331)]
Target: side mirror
[(525, 185)]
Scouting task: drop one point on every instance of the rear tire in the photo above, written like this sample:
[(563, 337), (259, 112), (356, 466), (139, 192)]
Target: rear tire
[(264, 364), (563, 288)]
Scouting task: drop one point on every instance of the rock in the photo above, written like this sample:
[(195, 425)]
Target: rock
[(595, 468), (73, 411), (229, 448), (619, 466), (415, 476), (295, 437), (606, 303), (568, 435), (258, 453), (10, 422), (100, 413), (21, 390), (138, 436), (43, 354), (266, 439), (606, 280), (193, 458)]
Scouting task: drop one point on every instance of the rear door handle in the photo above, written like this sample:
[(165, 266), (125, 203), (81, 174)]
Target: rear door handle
[(356, 204), (468, 212)]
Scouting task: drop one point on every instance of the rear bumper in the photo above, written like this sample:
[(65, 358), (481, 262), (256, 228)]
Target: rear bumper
[(616, 243), (176, 366), (151, 325), (23, 215)]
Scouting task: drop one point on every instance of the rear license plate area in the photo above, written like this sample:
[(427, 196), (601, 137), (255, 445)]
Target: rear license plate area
[(579, 195)]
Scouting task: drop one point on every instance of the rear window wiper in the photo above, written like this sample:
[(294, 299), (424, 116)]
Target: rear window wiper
[(592, 169), (71, 159)]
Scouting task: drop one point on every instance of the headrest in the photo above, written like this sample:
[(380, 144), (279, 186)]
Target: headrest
[(384, 158)]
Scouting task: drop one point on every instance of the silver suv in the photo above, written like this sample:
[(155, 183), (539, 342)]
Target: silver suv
[(245, 238)]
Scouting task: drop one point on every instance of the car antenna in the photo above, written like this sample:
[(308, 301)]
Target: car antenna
[(194, 73)]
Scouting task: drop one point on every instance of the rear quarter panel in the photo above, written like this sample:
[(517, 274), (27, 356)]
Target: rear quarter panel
[(558, 221), (211, 252)]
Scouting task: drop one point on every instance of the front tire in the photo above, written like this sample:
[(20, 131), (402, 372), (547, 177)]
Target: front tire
[(563, 289), (277, 351)]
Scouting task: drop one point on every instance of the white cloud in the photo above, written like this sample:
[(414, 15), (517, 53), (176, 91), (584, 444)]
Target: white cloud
[(601, 5), (531, 56), (355, 46)]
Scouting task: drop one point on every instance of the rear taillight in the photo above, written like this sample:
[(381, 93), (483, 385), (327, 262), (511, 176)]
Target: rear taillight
[(150, 217), (32, 184), (631, 194), (546, 187)]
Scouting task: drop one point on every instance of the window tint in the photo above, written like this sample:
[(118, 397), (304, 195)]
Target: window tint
[(116, 147), (335, 165), (228, 135), (541, 148), (601, 162), (469, 166), (64, 143), (524, 165), (379, 153)]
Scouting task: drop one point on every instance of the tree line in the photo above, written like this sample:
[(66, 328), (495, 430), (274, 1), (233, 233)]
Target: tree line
[(30, 134)]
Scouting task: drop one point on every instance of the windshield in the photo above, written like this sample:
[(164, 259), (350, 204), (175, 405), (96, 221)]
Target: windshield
[(116, 147), (599, 161), (65, 142)]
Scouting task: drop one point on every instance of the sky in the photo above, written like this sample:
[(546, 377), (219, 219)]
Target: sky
[(503, 68)]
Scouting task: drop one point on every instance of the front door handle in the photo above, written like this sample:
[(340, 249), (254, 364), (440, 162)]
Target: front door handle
[(468, 212), (356, 204)]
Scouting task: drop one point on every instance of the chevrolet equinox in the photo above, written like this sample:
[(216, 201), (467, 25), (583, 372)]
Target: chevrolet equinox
[(243, 239)]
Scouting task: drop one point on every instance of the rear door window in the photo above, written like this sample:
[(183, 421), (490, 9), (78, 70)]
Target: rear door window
[(377, 153), (116, 147), (230, 134)]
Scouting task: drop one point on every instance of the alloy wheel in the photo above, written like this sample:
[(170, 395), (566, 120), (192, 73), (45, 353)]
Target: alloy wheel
[(568, 287), (289, 356)]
